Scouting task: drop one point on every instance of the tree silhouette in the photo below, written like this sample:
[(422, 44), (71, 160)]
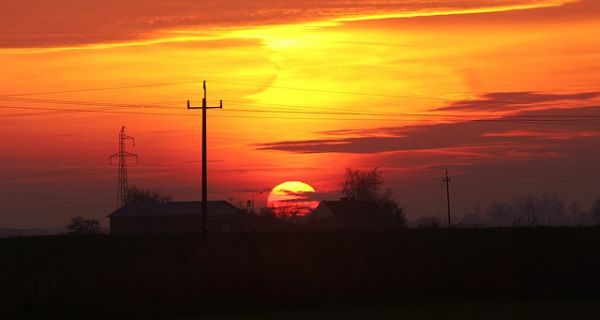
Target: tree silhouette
[(136, 195), (529, 211), (362, 185), (80, 226)]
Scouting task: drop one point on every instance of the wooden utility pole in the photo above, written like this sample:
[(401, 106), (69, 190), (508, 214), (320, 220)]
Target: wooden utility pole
[(447, 181), (204, 160)]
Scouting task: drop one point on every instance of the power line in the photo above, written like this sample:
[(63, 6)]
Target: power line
[(94, 197), (298, 109), (544, 181), (91, 103), (509, 119), (302, 109), (99, 89), (286, 108), (503, 183), (46, 157), (559, 119), (245, 84), (55, 208), (264, 110), (184, 115), (58, 199)]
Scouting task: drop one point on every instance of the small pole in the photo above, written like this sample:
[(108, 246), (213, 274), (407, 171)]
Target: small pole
[(447, 181), (254, 195)]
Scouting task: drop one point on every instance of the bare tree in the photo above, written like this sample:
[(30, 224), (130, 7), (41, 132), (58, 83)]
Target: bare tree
[(553, 208), (136, 195), (362, 185), (367, 186), (80, 226), (528, 211)]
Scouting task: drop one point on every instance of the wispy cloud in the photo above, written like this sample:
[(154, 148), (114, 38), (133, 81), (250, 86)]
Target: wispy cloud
[(511, 101), (526, 128), (40, 23)]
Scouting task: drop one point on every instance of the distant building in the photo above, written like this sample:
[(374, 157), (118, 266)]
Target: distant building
[(346, 214), (174, 217)]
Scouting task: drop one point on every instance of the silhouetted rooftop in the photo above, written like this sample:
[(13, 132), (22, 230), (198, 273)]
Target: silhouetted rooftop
[(174, 209), (347, 213)]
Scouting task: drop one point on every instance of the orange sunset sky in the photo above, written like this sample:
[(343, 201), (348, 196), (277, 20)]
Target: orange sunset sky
[(503, 93)]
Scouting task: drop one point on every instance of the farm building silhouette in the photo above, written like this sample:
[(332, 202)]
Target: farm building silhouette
[(174, 217), (346, 214)]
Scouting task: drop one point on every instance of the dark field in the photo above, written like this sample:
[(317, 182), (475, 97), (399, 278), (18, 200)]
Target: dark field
[(409, 272)]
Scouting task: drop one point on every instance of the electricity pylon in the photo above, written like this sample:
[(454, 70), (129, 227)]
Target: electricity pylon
[(122, 187), (204, 161)]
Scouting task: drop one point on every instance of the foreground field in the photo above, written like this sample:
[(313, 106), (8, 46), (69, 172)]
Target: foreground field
[(392, 273), (554, 310)]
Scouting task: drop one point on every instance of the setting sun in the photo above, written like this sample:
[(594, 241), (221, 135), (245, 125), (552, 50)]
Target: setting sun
[(292, 198)]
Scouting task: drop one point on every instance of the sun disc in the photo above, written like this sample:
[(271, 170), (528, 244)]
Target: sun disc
[(292, 198)]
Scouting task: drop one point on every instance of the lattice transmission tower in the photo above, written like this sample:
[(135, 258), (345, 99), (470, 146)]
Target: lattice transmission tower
[(122, 155)]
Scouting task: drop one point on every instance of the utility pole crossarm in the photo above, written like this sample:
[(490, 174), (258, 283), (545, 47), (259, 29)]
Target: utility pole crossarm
[(207, 107), (129, 154), (126, 137), (125, 153)]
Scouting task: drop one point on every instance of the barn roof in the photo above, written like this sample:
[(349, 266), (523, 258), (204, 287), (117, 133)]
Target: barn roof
[(174, 209)]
